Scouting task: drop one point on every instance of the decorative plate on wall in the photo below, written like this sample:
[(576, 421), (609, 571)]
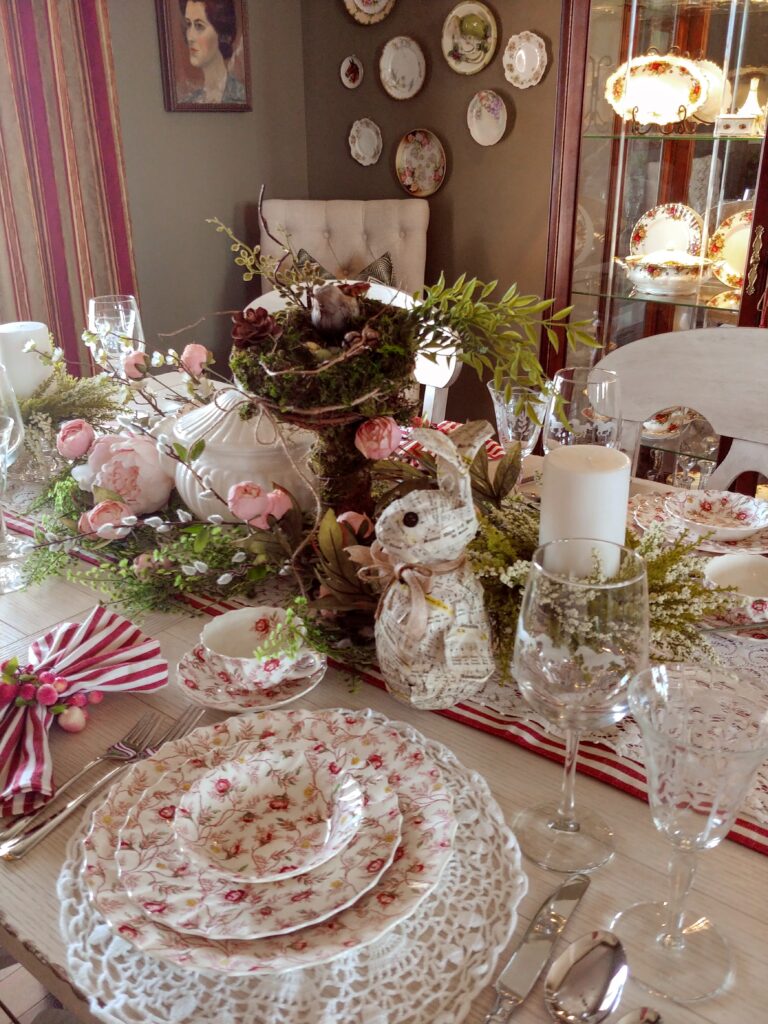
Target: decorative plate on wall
[(351, 71), (420, 162), (667, 226), (368, 12), (486, 117), (525, 60), (365, 141), (728, 247), (402, 68), (469, 37)]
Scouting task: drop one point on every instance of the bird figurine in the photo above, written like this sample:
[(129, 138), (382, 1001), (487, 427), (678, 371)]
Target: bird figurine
[(335, 306)]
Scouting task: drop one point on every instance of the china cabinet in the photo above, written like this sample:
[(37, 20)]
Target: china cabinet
[(660, 197)]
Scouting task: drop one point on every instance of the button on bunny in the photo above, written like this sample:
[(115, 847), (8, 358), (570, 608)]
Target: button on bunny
[(432, 634)]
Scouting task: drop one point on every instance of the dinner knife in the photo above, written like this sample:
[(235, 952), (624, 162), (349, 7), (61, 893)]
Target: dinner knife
[(535, 948)]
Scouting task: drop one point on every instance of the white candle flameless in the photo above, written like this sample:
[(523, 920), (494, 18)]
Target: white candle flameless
[(25, 370), (584, 493)]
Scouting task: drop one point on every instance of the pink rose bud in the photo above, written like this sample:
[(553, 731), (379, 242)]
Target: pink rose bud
[(8, 693), (73, 719), (358, 523), (279, 503), (27, 691), (95, 697), (46, 677), (378, 438), (106, 514), (78, 700), (135, 365), (61, 684), (143, 563), (74, 439), (248, 502), (194, 359), (47, 694)]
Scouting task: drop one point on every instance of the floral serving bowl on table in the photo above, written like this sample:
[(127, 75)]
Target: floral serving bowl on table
[(723, 515), (747, 575), (665, 272)]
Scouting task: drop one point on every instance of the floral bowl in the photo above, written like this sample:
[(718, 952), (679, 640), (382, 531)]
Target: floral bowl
[(721, 514), (666, 272), (748, 576), (267, 816)]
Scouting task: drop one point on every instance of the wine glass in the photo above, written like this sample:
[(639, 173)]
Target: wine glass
[(584, 408), (582, 633), (11, 441), (116, 320), (519, 415), (705, 737)]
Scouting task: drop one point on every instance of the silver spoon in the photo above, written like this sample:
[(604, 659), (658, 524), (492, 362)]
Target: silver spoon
[(584, 984), (645, 1015)]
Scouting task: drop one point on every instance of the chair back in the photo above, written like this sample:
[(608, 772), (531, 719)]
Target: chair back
[(721, 372)]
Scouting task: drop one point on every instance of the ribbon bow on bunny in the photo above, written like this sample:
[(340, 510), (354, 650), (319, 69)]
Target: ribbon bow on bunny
[(376, 564)]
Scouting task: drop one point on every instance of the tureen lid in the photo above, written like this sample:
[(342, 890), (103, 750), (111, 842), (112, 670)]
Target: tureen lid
[(221, 424)]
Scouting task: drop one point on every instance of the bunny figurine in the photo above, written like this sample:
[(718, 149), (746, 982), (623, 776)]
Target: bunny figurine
[(432, 633)]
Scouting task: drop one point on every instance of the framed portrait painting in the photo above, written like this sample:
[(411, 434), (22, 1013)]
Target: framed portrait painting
[(204, 54)]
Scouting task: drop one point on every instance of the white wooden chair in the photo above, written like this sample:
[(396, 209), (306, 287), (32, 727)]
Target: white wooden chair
[(721, 372)]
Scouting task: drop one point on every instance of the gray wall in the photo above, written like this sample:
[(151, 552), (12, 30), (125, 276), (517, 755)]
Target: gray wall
[(184, 167), (490, 216)]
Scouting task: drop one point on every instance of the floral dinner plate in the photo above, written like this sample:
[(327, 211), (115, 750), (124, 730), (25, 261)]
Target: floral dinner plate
[(368, 12), (486, 117), (645, 509), (469, 37), (428, 829), (420, 162), (525, 60), (654, 90), (166, 886), (365, 141), (667, 226), (729, 246), (402, 68)]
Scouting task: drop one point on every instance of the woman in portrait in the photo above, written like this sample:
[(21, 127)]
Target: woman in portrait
[(210, 27)]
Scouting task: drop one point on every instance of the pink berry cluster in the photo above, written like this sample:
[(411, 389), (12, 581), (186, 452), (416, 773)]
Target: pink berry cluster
[(21, 686)]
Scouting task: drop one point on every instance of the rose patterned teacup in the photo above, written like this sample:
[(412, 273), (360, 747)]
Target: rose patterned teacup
[(231, 642), (748, 576)]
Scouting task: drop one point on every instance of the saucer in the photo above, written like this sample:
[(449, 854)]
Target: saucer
[(204, 687)]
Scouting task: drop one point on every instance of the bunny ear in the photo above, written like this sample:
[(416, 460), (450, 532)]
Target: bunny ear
[(455, 453), (469, 437)]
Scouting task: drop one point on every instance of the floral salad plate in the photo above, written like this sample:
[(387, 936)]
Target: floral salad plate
[(215, 690), (263, 818), (420, 162), (525, 60), (657, 90), (428, 829), (486, 117), (469, 37), (368, 12), (728, 248), (165, 885), (402, 68), (646, 509), (667, 226), (365, 141)]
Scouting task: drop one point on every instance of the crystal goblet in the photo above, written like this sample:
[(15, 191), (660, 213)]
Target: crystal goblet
[(117, 322), (584, 408), (519, 415), (705, 736), (582, 633)]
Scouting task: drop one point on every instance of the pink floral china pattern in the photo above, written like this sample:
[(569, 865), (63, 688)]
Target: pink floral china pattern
[(728, 516), (646, 509), (420, 162), (220, 692), (261, 818), (428, 829), (667, 226), (166, 886), (728, 249), (657, 90)]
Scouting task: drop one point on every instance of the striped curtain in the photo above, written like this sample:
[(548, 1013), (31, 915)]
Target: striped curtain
[(65, 233)]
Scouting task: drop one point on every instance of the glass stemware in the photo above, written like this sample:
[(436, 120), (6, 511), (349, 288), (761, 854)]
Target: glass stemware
[(582, 634), (11, 440), (116, 320), (519, 415), (705, 737), (584, 408)]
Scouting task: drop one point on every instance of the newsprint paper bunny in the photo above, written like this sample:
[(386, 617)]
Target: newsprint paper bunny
[(432, 635)]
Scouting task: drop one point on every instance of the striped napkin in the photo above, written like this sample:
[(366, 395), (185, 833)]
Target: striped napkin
[(104, 652), (492, 446)]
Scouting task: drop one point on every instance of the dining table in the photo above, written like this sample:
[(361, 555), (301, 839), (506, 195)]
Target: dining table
[(731, 883)]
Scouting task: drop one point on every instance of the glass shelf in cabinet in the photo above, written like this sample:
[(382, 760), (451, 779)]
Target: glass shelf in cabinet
[(673, 137), (593, 286)]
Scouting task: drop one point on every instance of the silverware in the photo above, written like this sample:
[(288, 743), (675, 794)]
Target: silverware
[(535, 948), (126, 749), (584, 984), (18, 846)]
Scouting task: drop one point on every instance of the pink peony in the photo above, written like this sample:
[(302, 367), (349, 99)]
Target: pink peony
[(357, 522), (377, 439), (130, 467), (248, 502), (135, 365), (279, 503), (194, 359), (105, 514), (74, 439)]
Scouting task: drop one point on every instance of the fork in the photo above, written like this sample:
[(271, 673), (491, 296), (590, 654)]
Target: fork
[(128, 748), (16, 847)]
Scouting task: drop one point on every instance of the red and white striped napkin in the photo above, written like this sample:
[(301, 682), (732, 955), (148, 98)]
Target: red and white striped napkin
[(104, 652), (492, 446)]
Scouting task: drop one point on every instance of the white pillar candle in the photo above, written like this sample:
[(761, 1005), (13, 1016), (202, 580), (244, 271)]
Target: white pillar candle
[(584, 493), (25, 370)]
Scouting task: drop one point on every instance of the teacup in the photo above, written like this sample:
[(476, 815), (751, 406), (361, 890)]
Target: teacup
[(748, 576), (230, 640)]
